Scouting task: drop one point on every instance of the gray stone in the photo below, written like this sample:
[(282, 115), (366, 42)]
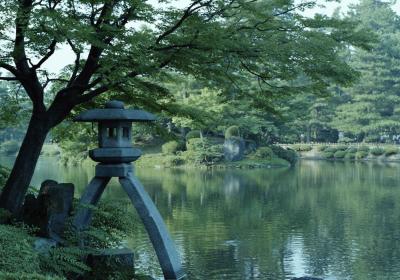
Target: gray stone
[(54, 204), (234, 149), (115, 155), (45, 185), (113, 170), (43, 245), (251, 146)]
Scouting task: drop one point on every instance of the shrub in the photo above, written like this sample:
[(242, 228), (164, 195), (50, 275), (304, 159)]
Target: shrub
[(192, 134), (339, 154), (172, 160), (328, 155), (363, 149), (194, 144), (262, 153), (350, 156), (371, 139), (377, 151), (4, 173), (352, 150), (341, 148), (361, 154), (322, 148), (389, 151), (202, 151), (9, 147), (331, 149), (27, 276), (302, 148), (346, 140), (171, 147), (232, 131), (286, 154), (16, 251)]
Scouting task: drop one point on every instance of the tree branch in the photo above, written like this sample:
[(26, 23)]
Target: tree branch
[(52, 48), (8, 79), (77, 62), (91, 94), (187, 13)]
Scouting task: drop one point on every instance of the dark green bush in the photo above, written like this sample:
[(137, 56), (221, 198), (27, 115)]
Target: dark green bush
[(232, 131), (193, 134), (339, 154), (331, 149), (352, 150), (172, 147), (302, 148), (9, 147), (361, 154), (286, 154), (345, 140), (389, 151), (328, 155), (262, 153), (322, 148), (350, 156), (363, 149), (377, 151), (341, 147)]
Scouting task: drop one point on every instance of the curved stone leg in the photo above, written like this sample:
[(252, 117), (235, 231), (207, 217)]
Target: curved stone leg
[(91, 196), (163, 244)]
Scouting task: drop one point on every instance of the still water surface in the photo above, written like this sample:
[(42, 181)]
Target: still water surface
[(331, 219)]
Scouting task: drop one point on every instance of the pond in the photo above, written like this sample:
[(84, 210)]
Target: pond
[(335, 220)]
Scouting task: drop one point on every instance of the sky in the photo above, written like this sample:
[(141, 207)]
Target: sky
[(64, 56)]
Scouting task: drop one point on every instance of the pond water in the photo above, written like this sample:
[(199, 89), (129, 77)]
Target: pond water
[(330, 219)]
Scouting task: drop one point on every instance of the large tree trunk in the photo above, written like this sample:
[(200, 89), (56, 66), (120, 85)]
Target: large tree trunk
[(17, 184)]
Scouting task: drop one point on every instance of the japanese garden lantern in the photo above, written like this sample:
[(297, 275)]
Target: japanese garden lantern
[(115, 154)]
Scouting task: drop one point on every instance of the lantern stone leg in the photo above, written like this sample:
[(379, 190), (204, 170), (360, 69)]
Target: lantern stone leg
[(155, 226), (91, 196)]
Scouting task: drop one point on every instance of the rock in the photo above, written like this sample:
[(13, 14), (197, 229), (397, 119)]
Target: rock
[(110, 260), (251, 146), (44, 187), (234, 149), (59, 208), (50, 209), (43, 245)]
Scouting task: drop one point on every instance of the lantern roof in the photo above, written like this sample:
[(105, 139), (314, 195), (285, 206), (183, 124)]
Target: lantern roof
[(114, 110)]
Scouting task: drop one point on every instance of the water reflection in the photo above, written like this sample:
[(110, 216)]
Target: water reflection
[(331, 219)]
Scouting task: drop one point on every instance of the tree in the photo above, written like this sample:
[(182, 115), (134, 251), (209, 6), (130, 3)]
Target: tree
[(374, 107), (123, 45)]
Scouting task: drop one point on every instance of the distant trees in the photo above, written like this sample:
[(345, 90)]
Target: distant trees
[(374, 106)]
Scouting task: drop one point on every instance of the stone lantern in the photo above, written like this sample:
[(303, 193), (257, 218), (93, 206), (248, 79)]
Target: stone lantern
[(115, 154)]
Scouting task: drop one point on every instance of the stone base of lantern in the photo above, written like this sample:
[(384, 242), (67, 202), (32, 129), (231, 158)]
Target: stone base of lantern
[(113, 170)]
